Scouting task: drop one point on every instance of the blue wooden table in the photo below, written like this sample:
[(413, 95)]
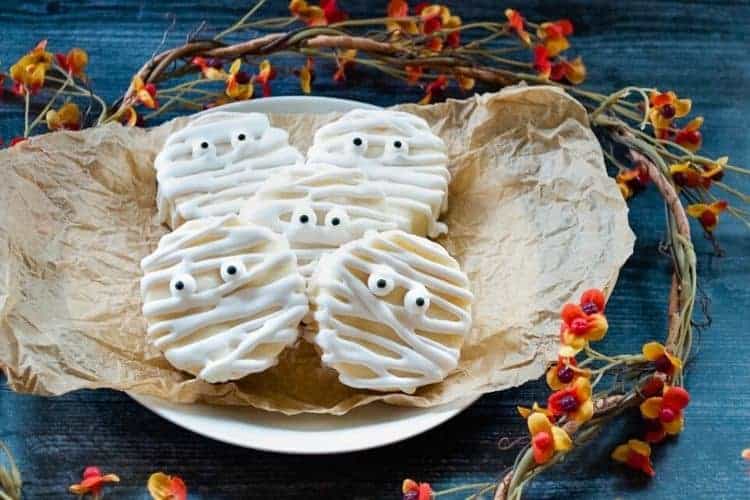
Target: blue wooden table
[(699, 49)]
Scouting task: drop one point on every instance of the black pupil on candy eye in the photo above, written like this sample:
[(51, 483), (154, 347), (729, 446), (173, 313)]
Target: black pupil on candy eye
[(335, 221), (304, 219), (204, 145), (231, 270), (419, 301), (381, 283), (357, 141), (179, 285), (241, 137), (397, 144)]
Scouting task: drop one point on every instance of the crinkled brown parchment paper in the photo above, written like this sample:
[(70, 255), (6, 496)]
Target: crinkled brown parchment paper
[(534, 220)]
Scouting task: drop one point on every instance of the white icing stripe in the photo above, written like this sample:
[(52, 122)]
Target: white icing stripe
[(318, 208), (413, 289), (397, 151), (222, 298), (216, 163)]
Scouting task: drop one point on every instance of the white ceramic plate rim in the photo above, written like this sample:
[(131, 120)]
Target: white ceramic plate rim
[(370, 426)]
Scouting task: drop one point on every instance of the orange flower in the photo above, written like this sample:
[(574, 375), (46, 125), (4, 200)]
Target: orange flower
[(583, 322), (239, 83), (453, 38), (432, 17), (413, 490), (632, 180), (306, 76), (564, 372), (546, 438), (29, 72), (573, 71), (434, 89), (74, 62), (541, 61), (344, 61), (93, 482), (211, 68), (517, 23), (707, 215), (665, 107), (554, 35), (575, 401), (400, 9), (68, 117), (665, 361), (667, 409), (689, 136), (164, 487), (265, 75), (635, 454), (145, 93), (328, 12)]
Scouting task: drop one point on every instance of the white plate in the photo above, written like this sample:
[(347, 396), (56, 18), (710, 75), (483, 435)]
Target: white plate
[(367, 427)]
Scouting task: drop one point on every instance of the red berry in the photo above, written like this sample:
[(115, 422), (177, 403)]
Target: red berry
[(664, 365), (542, 440), (568, 403), (668, 111), (667, 415), (579, 326), (242, 77), (565, 374), (91, 471)]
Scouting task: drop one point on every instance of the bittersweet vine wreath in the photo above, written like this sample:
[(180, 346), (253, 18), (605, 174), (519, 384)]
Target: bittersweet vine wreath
[(645, 135)]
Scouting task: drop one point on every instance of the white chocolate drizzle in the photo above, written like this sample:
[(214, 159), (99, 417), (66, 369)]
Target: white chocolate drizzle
[(222, 298), (399, 152), (319, 208), (216, 163), (393, 310)]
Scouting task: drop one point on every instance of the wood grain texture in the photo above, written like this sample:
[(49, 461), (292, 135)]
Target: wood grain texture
[(698, 48)]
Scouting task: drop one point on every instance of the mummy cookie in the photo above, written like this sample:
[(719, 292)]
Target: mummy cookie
[(393, 310), (222, 299), (319, 208), (398, 151), (216, 163)]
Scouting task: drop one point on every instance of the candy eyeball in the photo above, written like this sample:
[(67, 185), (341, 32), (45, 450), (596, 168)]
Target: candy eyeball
[(182, 285), (396, 146), (358, 144), (240, 138), (381, 283), (304, 216), (417, 300), (202, 147), (337, 218), (232, 269)]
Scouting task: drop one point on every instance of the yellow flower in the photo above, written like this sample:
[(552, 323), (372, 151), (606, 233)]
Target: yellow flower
[(635, 454), (665, 107), (68, 117), (239, 84), (574, 401), (29, 72), (668, 408), (306, 75), (74, 62), (546, 439), (145, 93), (707, 214), (164, 487), (665, 361)]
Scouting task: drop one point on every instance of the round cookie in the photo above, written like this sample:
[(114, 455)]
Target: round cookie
[(221, 298), (400, 153), (216, 163), (393, 310), (319, 208)]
